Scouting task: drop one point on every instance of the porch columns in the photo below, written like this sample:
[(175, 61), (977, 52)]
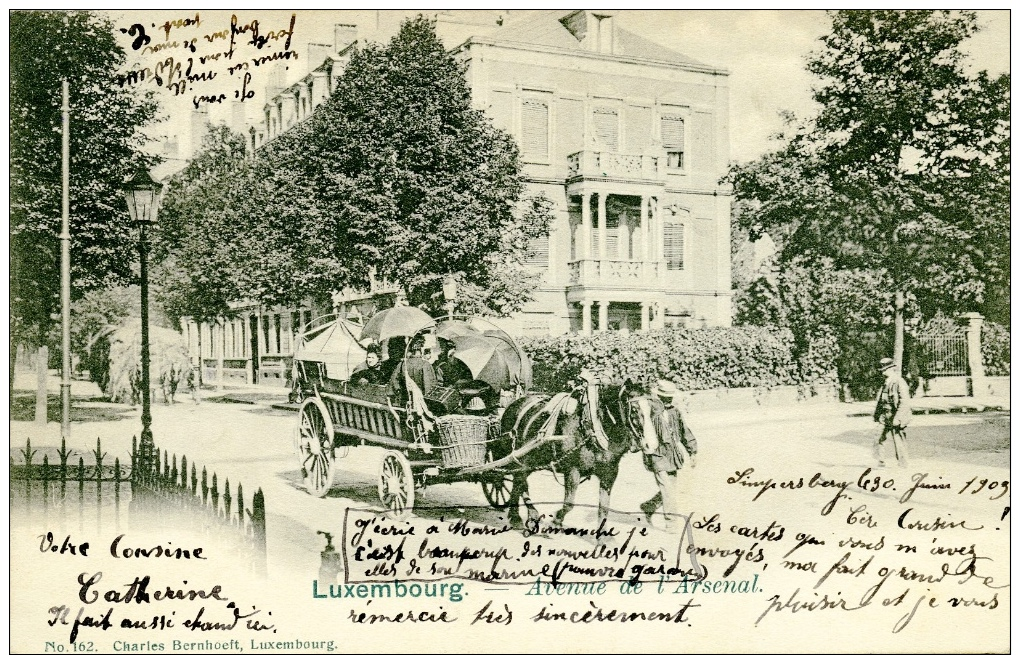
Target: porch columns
[(585, 251), (586, 317), (623, 237), (644, 316), (603, 315), (602, 226), (645, 232)]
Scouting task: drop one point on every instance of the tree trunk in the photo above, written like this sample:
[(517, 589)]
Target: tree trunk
[(898, 303), (42, 365)]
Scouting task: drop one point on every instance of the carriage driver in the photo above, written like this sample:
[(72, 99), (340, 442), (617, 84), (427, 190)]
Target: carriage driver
[(666, 458)]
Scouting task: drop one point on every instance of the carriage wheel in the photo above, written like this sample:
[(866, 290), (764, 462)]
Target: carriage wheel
[(497, 489), (315, 447), (396, 484)]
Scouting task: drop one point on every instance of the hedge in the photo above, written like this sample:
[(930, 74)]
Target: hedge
[(995, 349), (707, 358)]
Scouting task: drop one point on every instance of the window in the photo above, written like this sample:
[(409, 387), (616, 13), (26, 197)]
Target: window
[(673, 140), (607, 128), (538, 252), (673, 246), (535, 129)]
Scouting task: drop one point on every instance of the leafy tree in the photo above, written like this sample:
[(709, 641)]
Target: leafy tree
[(196, 274), (47, 46), (904, 171), (395, 176)]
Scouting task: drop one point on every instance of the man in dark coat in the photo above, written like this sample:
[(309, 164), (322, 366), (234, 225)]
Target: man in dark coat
[(665, 459), (419, 370), (892, 410), (449, 369)]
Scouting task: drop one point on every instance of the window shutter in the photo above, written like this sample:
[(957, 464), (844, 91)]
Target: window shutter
[(673, 245), (538, 252), (607, 128), (535, 129), (672, 132)]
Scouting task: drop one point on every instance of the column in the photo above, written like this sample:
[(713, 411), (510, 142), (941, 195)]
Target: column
[(585, 251), (261, 336), (602, 226), (221, 344), (249, 368), (623, 237), (978, 386), (644, 315), (287, 325), (586, 317), (660, 242), (603, 315), (645, 232)]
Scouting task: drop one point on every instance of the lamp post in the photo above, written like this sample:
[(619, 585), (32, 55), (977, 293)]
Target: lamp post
[(450, 295), (142, 195)]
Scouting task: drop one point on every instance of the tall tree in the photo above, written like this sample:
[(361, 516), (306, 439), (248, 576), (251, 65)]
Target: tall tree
[(46, 47), (904, 171), (395, 177)]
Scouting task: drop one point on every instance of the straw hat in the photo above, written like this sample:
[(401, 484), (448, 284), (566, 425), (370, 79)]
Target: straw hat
[(666, 389), (886, 364)]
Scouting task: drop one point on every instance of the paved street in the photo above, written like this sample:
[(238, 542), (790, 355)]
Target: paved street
[(237, 434)]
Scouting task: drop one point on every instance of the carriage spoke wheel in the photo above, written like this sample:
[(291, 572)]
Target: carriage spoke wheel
[(497, 488), (396, 484), (315, 448)]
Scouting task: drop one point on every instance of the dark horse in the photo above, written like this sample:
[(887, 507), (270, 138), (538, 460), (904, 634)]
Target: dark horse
[(562, 434)]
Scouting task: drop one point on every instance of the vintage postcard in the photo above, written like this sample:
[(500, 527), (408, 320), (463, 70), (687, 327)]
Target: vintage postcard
[(509, 331)]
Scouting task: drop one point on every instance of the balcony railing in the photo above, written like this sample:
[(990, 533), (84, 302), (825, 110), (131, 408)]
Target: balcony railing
[(595, 163), (614, 273)]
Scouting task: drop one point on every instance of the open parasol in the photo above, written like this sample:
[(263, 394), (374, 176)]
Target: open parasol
[(402, 321), (493, 361)]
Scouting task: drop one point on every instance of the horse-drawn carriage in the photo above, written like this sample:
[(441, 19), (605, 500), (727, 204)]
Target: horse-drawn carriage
[(485, 429), (432, 436)]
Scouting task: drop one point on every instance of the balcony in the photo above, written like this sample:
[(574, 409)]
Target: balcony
[(612, 273), (595, 164)]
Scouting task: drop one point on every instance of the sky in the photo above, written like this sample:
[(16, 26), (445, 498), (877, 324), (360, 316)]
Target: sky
[(764, 51)]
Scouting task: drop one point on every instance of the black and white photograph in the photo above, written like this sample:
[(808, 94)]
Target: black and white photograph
[(509, 330)]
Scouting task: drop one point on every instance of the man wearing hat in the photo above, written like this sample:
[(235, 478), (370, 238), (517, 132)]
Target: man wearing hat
[(666, 458), (892, 410)]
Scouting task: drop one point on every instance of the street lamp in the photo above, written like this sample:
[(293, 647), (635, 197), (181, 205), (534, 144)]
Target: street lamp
[(450, 294), (142, 195)]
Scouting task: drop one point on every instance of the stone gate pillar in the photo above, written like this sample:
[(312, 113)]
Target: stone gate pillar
[(978, 386)]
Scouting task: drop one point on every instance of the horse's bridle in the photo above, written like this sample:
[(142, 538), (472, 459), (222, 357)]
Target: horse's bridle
[(626, 406)]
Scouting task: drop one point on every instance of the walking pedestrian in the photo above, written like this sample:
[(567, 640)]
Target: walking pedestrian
[(892, 410), (666, 458)]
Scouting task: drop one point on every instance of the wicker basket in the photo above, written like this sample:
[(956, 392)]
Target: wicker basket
[(463, 439)]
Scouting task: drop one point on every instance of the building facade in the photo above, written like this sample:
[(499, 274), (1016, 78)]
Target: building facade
[(627, 138)]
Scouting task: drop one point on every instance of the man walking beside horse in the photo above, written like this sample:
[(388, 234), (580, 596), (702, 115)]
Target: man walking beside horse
[(666, 449)]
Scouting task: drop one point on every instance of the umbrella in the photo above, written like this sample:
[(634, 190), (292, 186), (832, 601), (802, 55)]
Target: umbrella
[(335, 345), (453, 330), (493, 361), (399, 321)]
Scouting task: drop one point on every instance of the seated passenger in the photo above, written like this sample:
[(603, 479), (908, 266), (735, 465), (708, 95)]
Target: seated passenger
[(449, 369), (370, 372), (394, 355), (419, 370)]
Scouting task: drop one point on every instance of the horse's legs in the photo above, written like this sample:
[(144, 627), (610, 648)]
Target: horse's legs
[(514, 503), (571, 481), (533, 517), (607, 477)]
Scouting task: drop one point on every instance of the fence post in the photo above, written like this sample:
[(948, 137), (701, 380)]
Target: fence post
[(258, 519), (978, 386)]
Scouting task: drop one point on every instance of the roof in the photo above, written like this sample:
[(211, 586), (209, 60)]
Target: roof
[(543, 28)]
